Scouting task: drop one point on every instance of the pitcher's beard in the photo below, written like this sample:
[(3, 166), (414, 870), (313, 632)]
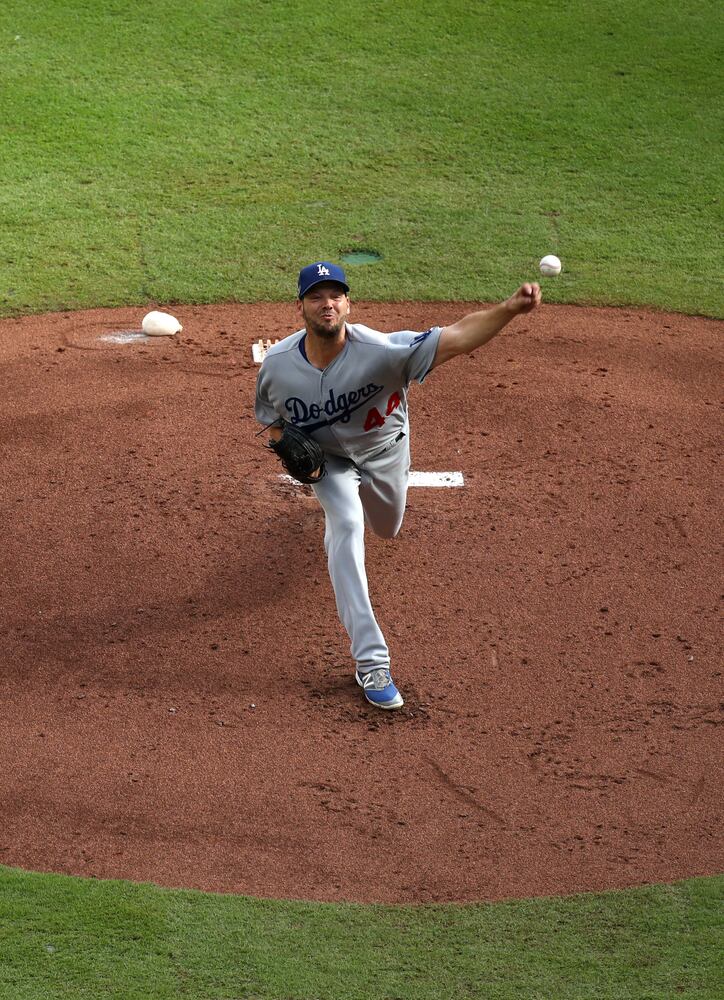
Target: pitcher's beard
[(326, 331)]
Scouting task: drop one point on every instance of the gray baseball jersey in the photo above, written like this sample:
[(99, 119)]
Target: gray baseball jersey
[(357, 406)]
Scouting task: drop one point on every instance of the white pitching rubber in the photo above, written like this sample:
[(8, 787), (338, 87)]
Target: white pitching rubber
[(429, 479)]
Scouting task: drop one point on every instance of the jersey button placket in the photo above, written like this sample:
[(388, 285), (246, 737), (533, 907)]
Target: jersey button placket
[(324, 414)]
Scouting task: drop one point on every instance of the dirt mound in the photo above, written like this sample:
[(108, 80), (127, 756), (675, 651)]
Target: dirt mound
[(178, 702)]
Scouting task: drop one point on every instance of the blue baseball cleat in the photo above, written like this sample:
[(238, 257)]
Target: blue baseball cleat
[(379, 688)]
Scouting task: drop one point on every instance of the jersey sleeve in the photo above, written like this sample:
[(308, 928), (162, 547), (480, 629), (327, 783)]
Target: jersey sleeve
[(416, 352), (263, 408)]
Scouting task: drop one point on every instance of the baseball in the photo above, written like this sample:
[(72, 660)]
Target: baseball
[(550, 265), (160, 324)]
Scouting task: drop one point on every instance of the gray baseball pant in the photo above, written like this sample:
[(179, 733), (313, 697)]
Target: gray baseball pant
[(351, 495)]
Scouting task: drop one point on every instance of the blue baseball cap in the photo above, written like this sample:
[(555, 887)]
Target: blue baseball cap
[(314, 274)]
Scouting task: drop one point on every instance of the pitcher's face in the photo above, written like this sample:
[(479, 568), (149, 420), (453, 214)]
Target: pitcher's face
[(325, 309)]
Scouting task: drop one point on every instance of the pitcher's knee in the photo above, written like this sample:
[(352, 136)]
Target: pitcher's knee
[(386, 529), (343, 525)]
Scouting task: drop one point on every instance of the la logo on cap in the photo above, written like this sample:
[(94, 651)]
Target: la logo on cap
[(320, 270)]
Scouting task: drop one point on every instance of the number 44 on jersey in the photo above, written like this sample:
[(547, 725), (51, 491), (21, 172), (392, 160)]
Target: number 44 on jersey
[(375, 419)]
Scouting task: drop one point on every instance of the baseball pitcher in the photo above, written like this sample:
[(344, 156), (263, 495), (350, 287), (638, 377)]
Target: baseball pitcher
[(334, 399)]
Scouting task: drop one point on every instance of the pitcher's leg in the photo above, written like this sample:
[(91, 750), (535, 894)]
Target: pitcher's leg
[(383, 489), (338, 493)]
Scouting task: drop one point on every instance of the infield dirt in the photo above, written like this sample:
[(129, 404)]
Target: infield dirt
[(178, 703)]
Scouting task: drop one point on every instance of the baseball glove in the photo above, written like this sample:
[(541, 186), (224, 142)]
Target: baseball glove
[(299, 454)]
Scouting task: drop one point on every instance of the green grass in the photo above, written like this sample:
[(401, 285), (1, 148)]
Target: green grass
[(202, 150), (220, 144), (77, 938)]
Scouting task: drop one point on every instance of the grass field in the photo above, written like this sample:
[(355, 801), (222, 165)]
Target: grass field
[(203, 150), (220, 144), (76, 938)]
